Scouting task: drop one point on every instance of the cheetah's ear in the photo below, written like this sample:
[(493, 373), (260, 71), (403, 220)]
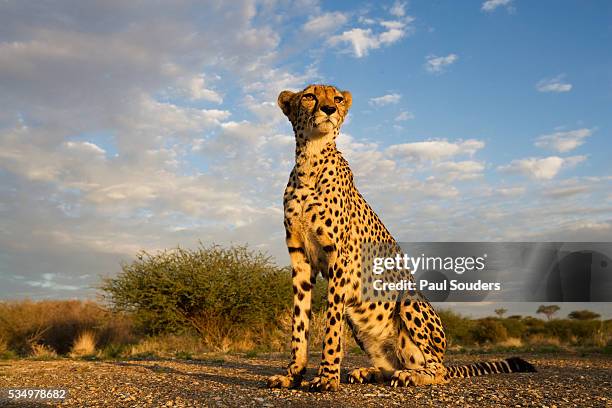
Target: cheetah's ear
[(348, 99), (284, 101)]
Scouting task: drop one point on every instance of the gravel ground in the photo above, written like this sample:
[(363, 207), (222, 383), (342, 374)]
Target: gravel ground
[(562, 381)]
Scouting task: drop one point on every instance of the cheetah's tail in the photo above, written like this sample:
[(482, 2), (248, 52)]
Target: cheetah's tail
[(509, 365)]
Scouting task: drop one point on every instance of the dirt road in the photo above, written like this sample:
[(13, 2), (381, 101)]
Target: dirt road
[(562, 381)]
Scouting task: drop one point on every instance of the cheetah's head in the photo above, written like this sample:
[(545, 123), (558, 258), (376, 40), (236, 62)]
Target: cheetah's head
[(316, 111)]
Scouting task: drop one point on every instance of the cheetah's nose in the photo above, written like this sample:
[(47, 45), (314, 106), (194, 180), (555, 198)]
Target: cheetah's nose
[(328, 109)]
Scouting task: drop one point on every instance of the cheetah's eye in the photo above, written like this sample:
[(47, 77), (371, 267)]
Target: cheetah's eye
[(338, 99), (308, 97)]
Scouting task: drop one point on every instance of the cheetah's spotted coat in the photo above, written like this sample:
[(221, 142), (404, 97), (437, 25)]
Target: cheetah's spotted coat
[(327, 221)]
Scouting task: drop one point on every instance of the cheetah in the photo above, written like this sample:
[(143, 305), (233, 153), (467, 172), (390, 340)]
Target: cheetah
[(327, 221)]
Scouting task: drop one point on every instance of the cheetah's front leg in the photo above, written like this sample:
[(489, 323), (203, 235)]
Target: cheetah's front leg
[(303, 280), (328, 377)]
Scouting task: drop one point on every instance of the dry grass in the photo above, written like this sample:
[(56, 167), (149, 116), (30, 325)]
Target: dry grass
[(511, 342), (4, 348), (84, 345), (58, 324), (79, 329), (40, 351), (601, 338), (542, 340), (167, 346)]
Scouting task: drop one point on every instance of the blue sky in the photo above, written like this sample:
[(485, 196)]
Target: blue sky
[(128, 126)]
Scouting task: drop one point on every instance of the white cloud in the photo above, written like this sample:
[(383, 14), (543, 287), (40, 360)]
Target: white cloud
[(398, 9), (403, 116), (387, 99), (436, 64), (362, 40), (555, 84), (563, 142), (541, 168), (395, 31), (511, 191), (467, 166), (364, 157), (428, 189), (567, 191), (48, 282), (434, 150), (109, 168), (490, 5), (366, 20), (325, 23), (127, 159), (270, 81), (86, 147), (461, 170), (197, 91)]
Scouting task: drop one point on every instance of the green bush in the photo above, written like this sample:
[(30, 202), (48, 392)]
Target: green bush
[(458, 329), (514, 327), (534, 326), (574, 331), (207, 289), (319, 295), (583, 315), (489, 330)]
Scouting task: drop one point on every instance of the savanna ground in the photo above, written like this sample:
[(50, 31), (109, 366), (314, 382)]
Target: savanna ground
[(566, 380), (206, 327)]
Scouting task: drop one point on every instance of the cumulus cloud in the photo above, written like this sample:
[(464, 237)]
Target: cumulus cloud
[(113, 152), (387, 99), (563, 142), (421, 197), (48, 281), (510, 191), (325, 23), (541, 168), (490, 5), (436, 64), (169, 134), (398, 9), (198, 91), (434, 150), (378, 34), (461, 170), (566, 191), (555, 84), (365, 158), (404, 116)]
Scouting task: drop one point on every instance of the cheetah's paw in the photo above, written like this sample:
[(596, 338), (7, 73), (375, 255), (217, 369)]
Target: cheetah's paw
[(284, 381), (364, 375), (322, 383), (404, 378)]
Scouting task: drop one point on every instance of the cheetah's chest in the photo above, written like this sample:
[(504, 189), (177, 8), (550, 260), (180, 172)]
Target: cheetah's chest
[(305, 214), (302, 211)]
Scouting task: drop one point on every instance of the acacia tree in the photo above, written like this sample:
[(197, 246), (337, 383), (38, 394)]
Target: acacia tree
[(500, 312), (202, 289), (548, 310)]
